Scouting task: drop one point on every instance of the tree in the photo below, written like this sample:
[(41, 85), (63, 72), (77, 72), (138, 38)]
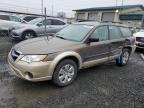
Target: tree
[(61, 14)]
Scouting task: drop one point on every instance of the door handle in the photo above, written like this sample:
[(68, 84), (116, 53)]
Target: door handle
[(50, 27)]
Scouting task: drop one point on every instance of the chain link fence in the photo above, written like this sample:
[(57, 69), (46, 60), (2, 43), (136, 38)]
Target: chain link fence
[(6, 43)]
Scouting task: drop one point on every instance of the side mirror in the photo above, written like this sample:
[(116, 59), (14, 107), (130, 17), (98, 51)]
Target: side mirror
[(93, 40), (24, 22), (39, 24)]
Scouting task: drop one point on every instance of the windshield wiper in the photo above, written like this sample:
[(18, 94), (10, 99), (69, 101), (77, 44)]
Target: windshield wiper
[(61, 37)]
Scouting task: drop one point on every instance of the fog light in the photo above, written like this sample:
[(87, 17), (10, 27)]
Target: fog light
[(28, 75)]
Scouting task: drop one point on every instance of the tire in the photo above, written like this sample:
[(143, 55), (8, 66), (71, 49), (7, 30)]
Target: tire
[(65, 72), (124, 57), (28, 35)]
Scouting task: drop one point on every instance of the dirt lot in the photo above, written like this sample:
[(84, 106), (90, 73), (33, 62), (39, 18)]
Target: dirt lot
[(103, 86)]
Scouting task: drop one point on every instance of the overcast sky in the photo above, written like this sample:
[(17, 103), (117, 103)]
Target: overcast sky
[(60, 5)]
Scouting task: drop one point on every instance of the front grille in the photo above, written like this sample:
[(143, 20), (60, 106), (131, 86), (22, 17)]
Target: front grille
[(140, 45), (140, 39), (15, 54)]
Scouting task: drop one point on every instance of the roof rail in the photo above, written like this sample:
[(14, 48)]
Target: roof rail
[(87, 20), (100, 22), (111, 22)]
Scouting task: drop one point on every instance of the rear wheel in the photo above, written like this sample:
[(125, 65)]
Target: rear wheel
[(28, 35), (65, 72), (124, 57)]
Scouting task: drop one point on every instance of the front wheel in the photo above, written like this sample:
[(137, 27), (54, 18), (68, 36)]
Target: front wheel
[(28, 35), (124, 58), (65, 72)]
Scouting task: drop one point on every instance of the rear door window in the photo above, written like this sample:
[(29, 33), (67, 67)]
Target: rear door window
[(125, 31), (115, 32), (4, 17), (47, 22), (57, 22)]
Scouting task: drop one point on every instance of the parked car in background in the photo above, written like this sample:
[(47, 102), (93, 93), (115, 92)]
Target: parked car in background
[(29, 18), (36, 28), (75, 47), (8, 21), (11, 18), (139, 39)]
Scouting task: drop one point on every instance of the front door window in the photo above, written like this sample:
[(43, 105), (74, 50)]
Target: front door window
[(101, 33)]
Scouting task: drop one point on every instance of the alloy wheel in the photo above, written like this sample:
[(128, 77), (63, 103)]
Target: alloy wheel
[(66, 73)]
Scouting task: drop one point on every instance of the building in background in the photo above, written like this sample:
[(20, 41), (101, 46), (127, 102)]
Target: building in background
[(132, 15)]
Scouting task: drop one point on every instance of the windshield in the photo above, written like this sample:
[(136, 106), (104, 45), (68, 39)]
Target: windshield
[(74, 32), (35, 21)]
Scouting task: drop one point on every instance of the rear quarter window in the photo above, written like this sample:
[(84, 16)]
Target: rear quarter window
[(125, 31)]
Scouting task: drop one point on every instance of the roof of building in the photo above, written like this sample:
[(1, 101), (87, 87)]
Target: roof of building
[(111, 8)]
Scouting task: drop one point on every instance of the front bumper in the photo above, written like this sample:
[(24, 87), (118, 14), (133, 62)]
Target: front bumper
[(140, 45), (39, 71), (15, 35)]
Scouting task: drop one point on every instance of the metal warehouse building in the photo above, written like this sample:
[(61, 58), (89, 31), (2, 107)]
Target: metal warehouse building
[(132, 15)]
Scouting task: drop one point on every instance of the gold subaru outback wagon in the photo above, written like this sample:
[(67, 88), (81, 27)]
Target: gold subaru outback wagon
[(75, 47)]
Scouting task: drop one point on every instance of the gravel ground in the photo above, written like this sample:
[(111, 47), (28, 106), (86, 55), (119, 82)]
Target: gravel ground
[(103, 86), (5, 45)]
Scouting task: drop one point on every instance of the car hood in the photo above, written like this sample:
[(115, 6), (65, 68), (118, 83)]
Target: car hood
[(42, 45), (139, 34)]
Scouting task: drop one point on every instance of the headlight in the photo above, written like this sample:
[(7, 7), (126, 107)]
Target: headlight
[(33, 58)]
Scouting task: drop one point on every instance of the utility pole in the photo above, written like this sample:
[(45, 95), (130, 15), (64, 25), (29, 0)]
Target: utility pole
[(42, 7), (116, 3), (52, 9), (45, 26), (122, 4), (45, 21)]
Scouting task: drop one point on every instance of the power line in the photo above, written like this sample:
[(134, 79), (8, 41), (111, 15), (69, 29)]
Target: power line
[(7, 4)]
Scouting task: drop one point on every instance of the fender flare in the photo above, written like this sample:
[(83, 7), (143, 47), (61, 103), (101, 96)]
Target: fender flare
[(62, 56)]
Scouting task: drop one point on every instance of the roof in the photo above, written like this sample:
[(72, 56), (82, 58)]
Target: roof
[(88, 23), (96, 23), (111, 8)]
